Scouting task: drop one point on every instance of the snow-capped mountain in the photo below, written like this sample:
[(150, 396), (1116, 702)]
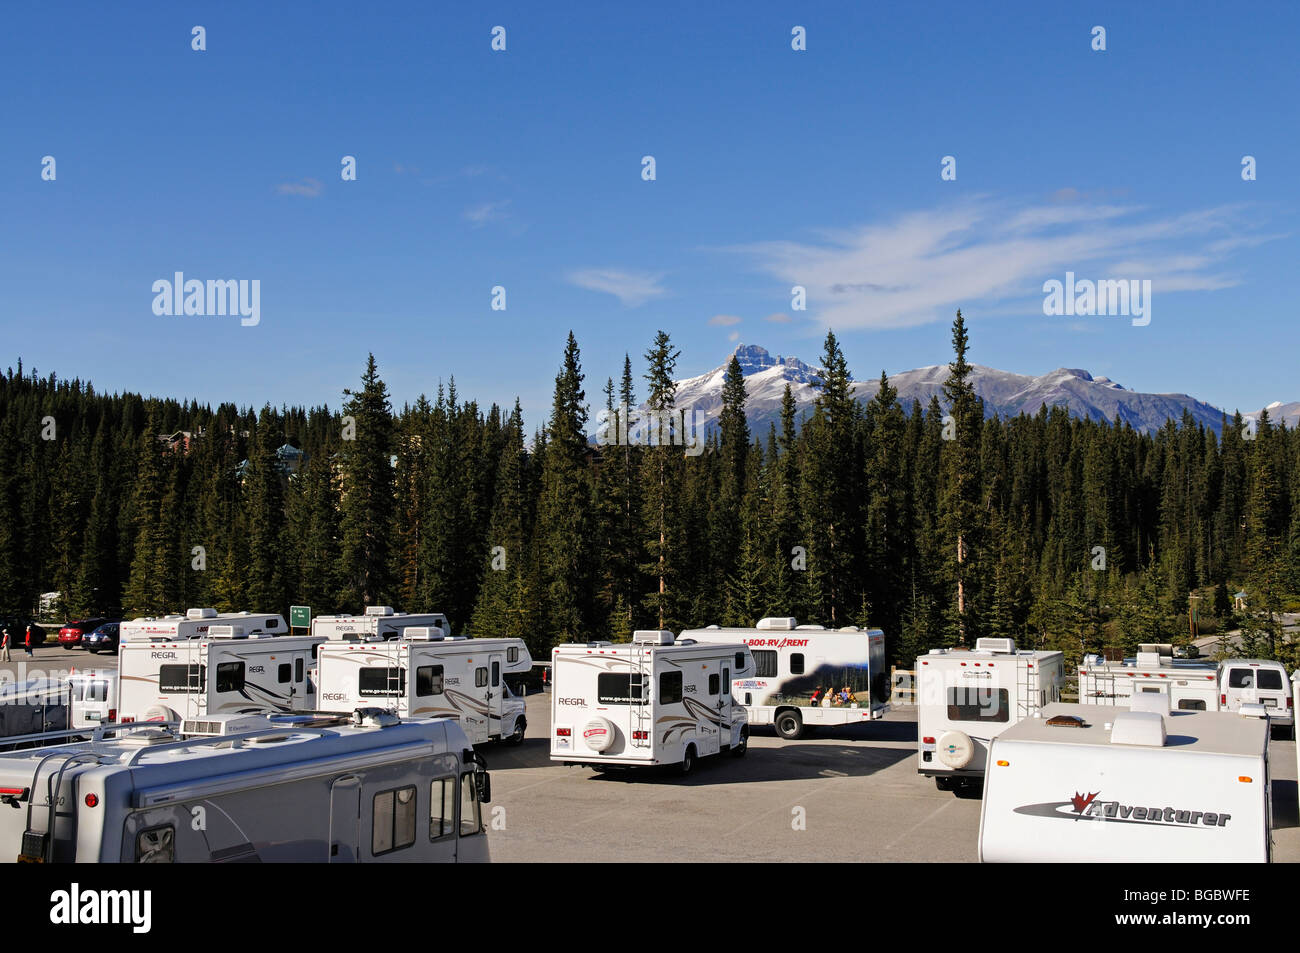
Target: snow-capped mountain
[(1004, 393)]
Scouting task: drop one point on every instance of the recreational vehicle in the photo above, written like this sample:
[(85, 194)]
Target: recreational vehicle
[(378, 622), (1248, 681), (965, 698), (231, 788), (228, 671), (655, 701), (1190, 685), (806, 675), (195, 623), (426, 674), (1141, 785)]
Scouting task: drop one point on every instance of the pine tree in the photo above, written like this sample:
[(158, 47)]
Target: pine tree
[(367, 498)]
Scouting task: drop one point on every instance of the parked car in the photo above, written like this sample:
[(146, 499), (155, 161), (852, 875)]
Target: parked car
[(72, 633), (103, 639)]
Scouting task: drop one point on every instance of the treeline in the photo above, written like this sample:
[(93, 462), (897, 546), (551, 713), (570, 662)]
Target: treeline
[(933, 523)]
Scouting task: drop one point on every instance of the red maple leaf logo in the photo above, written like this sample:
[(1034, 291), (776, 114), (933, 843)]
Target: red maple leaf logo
[(1080, 802)]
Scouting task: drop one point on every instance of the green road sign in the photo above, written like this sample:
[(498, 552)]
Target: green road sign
[(300, 617)]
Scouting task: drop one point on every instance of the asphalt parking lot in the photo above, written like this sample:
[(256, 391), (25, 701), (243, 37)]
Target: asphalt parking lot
[(856, 790)]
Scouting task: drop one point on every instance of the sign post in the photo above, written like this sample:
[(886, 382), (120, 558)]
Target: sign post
[(300, 617)]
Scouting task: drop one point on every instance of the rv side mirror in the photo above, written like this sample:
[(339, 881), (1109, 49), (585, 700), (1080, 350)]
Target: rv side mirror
[(483, 786)]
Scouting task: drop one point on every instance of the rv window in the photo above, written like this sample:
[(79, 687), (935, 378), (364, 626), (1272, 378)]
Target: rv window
[(670, 688), (297, 670), (286, 670), (796, 663), (180, 679), (230, 676), (428, 680), (156, 845), (512, 654), (1191, 704), (480, 677), (618, 688), (471, 818), (740, 660), (496, 674), (714, 684), (314, 649), (98, 691), (764, 663), (394, 821), (374, 680), (726, 682), (442, 808), (978, 704), (1241, 678)]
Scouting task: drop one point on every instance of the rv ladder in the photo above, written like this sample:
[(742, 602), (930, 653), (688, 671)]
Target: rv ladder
[(642, 721), (1026, 688)]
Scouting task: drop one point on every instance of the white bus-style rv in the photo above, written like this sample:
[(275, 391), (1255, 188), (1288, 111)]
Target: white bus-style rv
[(965, 698), (195, 623), (654, 701), (229, 670), (1190, 685), (426, 674), (806, 675), (365, 788), (1088, 783), (377, 622)]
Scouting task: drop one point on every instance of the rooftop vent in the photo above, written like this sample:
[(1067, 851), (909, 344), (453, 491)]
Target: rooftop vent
[(996, 646), (195, 614), (1067, 721), (653, 637), (1145, 728), (776, 623), (374, 718), (379, 610)]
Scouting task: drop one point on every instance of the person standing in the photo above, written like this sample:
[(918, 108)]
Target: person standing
[(4, 645), (28, 641)]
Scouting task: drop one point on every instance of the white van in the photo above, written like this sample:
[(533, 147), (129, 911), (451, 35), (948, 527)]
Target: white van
[(368, 788), (1085, 783), (656, 701), (807, 675), (1245, 681), (93, 698), (1190, 685), (228, 671), (425, 674), (966, 698), (377, 622)]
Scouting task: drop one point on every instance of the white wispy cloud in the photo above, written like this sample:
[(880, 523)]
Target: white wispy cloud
[(486, 213), (724, 320), (920, 266), (307, 188), (632, 288)]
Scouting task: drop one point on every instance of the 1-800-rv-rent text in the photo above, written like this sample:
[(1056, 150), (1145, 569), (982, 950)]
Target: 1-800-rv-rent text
[(656, 701), (807, 675)]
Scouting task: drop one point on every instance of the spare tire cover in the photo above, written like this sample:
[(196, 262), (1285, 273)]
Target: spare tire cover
[(161, 713), (955, 749), (598, 735)]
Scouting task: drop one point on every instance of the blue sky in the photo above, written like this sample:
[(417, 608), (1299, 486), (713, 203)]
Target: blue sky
[(523, 169)]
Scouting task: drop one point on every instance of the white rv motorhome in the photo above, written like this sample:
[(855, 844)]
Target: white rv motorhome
[(793, 662), (269, 789), (1190, 685), (965, 698), (426, 674), (195, 623), (378, 622), (1095, 783), (655, 701), (228, 671), (1249, 681)]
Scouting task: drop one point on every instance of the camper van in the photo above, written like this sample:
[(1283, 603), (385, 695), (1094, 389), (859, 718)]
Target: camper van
[(1191, 685), (195, 623), (964, 699), (426, 674), (1247, 681), (365, 788), (93, 698), (801, 673), (1142, 785), (655, 701), (230, 670), (378, 622)]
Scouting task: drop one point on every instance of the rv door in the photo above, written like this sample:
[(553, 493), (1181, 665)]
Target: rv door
[(345, 820), (475, 714), (495, 693)]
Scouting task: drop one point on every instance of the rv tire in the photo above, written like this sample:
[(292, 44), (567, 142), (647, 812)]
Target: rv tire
[(738, 750), (789, 724), (688, 762), (516, 737), (943, 784)]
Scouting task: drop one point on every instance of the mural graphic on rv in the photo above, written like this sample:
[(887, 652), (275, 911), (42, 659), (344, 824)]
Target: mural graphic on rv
[(799, 689)]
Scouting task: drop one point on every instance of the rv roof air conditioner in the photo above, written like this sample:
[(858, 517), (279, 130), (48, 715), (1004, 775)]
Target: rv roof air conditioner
[(776, 623), (996, 646), (218, 726), (1146, 728), (226, 632), (379, 610), (1148, 658), (653, 637), (195, 614), (1157, 702), (1159, 648)]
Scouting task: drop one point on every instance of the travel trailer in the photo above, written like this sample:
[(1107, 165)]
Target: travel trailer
[(378, 622), (1190, 685), (807, 675), (1247, 681), (964, 699), (228, 671), (655, 701), (426, 674), (1095, 783), (364, 788), (195, 623)]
